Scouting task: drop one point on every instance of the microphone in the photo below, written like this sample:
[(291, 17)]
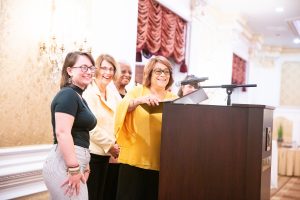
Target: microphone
[(193, 80)]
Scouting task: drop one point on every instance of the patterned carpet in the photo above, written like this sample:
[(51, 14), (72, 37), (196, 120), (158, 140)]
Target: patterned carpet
[(288, 189)]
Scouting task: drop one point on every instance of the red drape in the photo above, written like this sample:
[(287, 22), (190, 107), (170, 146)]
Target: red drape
[(160, 31), (238, 71)]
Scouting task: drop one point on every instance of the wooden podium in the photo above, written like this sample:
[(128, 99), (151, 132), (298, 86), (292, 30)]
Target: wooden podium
[(216, 152)]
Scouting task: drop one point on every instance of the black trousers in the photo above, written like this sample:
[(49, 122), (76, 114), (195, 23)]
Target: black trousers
[(137, 184), (111, 184), (96, 180)]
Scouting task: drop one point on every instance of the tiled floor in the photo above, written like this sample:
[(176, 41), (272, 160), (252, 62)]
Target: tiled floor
[(38, 196), (288, 189)]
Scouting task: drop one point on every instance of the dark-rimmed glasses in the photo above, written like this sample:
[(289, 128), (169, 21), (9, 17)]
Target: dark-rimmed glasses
[(160, 71), (85, 68)]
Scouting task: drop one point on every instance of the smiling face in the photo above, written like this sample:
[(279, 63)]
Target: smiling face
[(80, 78), (105, 73), (160, 64), (125, 76), (160, 76)]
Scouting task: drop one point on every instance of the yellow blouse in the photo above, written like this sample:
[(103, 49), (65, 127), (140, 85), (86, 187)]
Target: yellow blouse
[(138, 132)]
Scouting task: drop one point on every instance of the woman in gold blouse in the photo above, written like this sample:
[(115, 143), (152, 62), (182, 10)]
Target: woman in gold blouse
[(139, 132)]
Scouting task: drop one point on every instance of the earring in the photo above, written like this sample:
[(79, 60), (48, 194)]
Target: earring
[(70, 80)]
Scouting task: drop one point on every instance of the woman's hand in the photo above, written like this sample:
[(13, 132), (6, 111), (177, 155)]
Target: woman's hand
[(86, 174), (151, 100), (113, 160), (73, 183), (114, 150)]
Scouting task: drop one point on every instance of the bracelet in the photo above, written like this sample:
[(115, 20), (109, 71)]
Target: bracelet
[(73, 170), (74, 166)]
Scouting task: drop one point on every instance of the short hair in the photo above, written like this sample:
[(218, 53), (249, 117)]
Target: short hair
[(123, 62), (196, 85), (149, 69), (70, 61), (110, 60)]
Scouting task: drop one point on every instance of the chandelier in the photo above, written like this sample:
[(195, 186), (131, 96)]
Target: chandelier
[(55, 55), (55, 51)]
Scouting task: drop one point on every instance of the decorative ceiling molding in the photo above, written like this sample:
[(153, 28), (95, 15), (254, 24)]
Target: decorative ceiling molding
[(294, 25), (197, 3)]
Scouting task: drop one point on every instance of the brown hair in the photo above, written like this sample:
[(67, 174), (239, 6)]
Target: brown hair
[(109, 59), (70, 61), (149, 69), (196, 85)]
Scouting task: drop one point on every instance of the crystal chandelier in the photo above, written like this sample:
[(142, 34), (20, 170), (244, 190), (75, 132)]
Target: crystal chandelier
[(55, 55), (55, 51)]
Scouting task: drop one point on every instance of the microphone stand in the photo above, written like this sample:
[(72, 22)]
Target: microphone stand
[(229, 89)]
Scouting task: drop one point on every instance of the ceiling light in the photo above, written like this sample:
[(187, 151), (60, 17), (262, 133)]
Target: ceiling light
[(279, 9), (296, 41)]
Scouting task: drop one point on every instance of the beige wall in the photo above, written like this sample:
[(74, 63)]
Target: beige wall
[(290, 84), (26, 90)]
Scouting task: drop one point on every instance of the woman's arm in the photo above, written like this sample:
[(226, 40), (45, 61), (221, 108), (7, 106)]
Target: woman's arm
[(86, 172), (151, 100), (63, 127)]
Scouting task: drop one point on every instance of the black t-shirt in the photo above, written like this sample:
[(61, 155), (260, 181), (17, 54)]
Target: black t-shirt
[(68, 101)]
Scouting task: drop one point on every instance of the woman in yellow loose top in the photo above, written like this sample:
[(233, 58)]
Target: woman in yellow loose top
[(139, 132)]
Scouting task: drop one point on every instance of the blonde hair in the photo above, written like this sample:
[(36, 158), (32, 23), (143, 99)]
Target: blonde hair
[(110, 60)]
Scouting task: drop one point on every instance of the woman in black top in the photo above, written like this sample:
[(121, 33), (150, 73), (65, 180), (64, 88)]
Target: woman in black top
[(66, 168)]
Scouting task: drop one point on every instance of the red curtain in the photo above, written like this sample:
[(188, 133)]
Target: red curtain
[(160, 31), (238, 71)]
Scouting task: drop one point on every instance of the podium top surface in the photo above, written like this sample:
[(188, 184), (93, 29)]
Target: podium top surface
[(233, 105), (152, 109), (253, 106), (194, 97)]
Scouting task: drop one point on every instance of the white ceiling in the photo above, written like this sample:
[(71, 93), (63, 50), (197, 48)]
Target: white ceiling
[(262, 19)]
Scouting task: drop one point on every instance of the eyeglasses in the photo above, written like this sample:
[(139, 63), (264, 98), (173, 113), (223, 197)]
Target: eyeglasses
[(160, 71), (85, 68), (110, 69)]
